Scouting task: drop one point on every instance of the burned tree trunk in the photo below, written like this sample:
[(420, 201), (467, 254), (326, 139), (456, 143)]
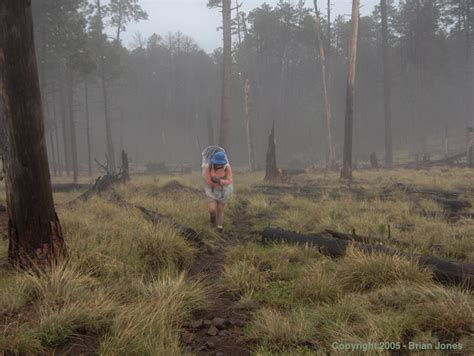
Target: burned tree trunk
[(248, 124), (374, 162), (351, 74), (72, 125), (387, 78), (470, 147), (125, 170), (227, 74), (88, 131), (443, 271), (271, 171), (327, 103), (108, 126), (65, 131), (35, 235)]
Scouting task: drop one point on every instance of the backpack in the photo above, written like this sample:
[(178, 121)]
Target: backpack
[(207, 155)]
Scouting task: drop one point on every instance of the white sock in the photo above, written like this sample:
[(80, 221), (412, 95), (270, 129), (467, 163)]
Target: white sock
[(220, 227)]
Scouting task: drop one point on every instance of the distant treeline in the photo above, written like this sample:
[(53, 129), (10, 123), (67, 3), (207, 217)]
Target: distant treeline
[(163, 95)]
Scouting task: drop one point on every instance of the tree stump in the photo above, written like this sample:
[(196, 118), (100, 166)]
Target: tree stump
[(271, 171), (374, 162)]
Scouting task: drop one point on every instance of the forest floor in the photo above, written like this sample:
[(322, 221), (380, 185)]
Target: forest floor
[(135, 287)]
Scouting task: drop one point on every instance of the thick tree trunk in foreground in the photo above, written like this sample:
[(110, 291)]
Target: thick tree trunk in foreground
[(327, 103), (387, 85), (351, 74), (271, 171), (443, 271), (227, 75), (35, 235)]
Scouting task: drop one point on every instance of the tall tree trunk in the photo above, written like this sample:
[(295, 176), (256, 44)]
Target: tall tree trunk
[(248, 124), (387, 85), (56, 136), (346, 172), (72, 125), (108, 128), (35, 235), (51, 141), (249, 89), (328, 50), (327, 103), (469, 64), (88, 130), (227, 74), (65, 128)]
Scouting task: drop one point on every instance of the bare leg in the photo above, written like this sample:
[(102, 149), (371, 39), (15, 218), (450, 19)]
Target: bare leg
[(211, 206), (220, 214)]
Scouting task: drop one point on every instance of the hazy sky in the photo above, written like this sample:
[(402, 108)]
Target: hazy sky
[(193, 18)]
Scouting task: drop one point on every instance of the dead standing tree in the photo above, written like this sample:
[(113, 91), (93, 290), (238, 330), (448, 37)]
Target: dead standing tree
[(271, 170), (387, 78), (346, 172), (327, 103), (225, 5), (227, 74), (35, 235)]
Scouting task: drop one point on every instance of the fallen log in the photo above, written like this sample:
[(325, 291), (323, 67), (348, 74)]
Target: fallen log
[(427, 164), (364, 239), (68, 187), (103, 183), (184, 230), (446, 272)]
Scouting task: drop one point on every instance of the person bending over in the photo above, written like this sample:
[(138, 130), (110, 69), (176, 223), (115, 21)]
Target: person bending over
[(218, 179)]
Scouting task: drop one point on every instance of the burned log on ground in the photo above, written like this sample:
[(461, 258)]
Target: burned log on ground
[(448, 200), (365, 239), (292, 171), (104, 183), (447, 272), (157, 218), (425, 163), (69, 187)]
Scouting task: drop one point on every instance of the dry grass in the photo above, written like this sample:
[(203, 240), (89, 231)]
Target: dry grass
[(126, 280), (358, 271)]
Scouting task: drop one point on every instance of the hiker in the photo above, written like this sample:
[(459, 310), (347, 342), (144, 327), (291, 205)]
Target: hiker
[(218, 185)]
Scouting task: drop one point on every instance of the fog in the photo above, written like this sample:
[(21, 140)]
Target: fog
[(164, 91)]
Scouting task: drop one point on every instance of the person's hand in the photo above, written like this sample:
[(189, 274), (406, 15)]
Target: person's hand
[(216, 180)]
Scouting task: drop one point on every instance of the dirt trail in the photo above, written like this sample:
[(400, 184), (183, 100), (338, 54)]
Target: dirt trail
[(219, 329)]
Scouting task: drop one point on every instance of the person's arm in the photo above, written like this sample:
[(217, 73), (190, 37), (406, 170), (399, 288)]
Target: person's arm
[(229, 179), (207, 175)]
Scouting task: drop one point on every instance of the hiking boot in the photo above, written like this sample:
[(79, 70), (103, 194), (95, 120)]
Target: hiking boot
[(213, 219), (220, 229)]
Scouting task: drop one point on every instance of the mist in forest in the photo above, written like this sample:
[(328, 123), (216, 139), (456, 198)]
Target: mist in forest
[(160, 98)]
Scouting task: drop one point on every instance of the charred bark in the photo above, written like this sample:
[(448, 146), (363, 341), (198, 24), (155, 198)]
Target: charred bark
[(447, 272), (227, 74), (327, 103), (35, 236), (387, 78), (72, 125), (346, 172), (271, 171), (88, 131)]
